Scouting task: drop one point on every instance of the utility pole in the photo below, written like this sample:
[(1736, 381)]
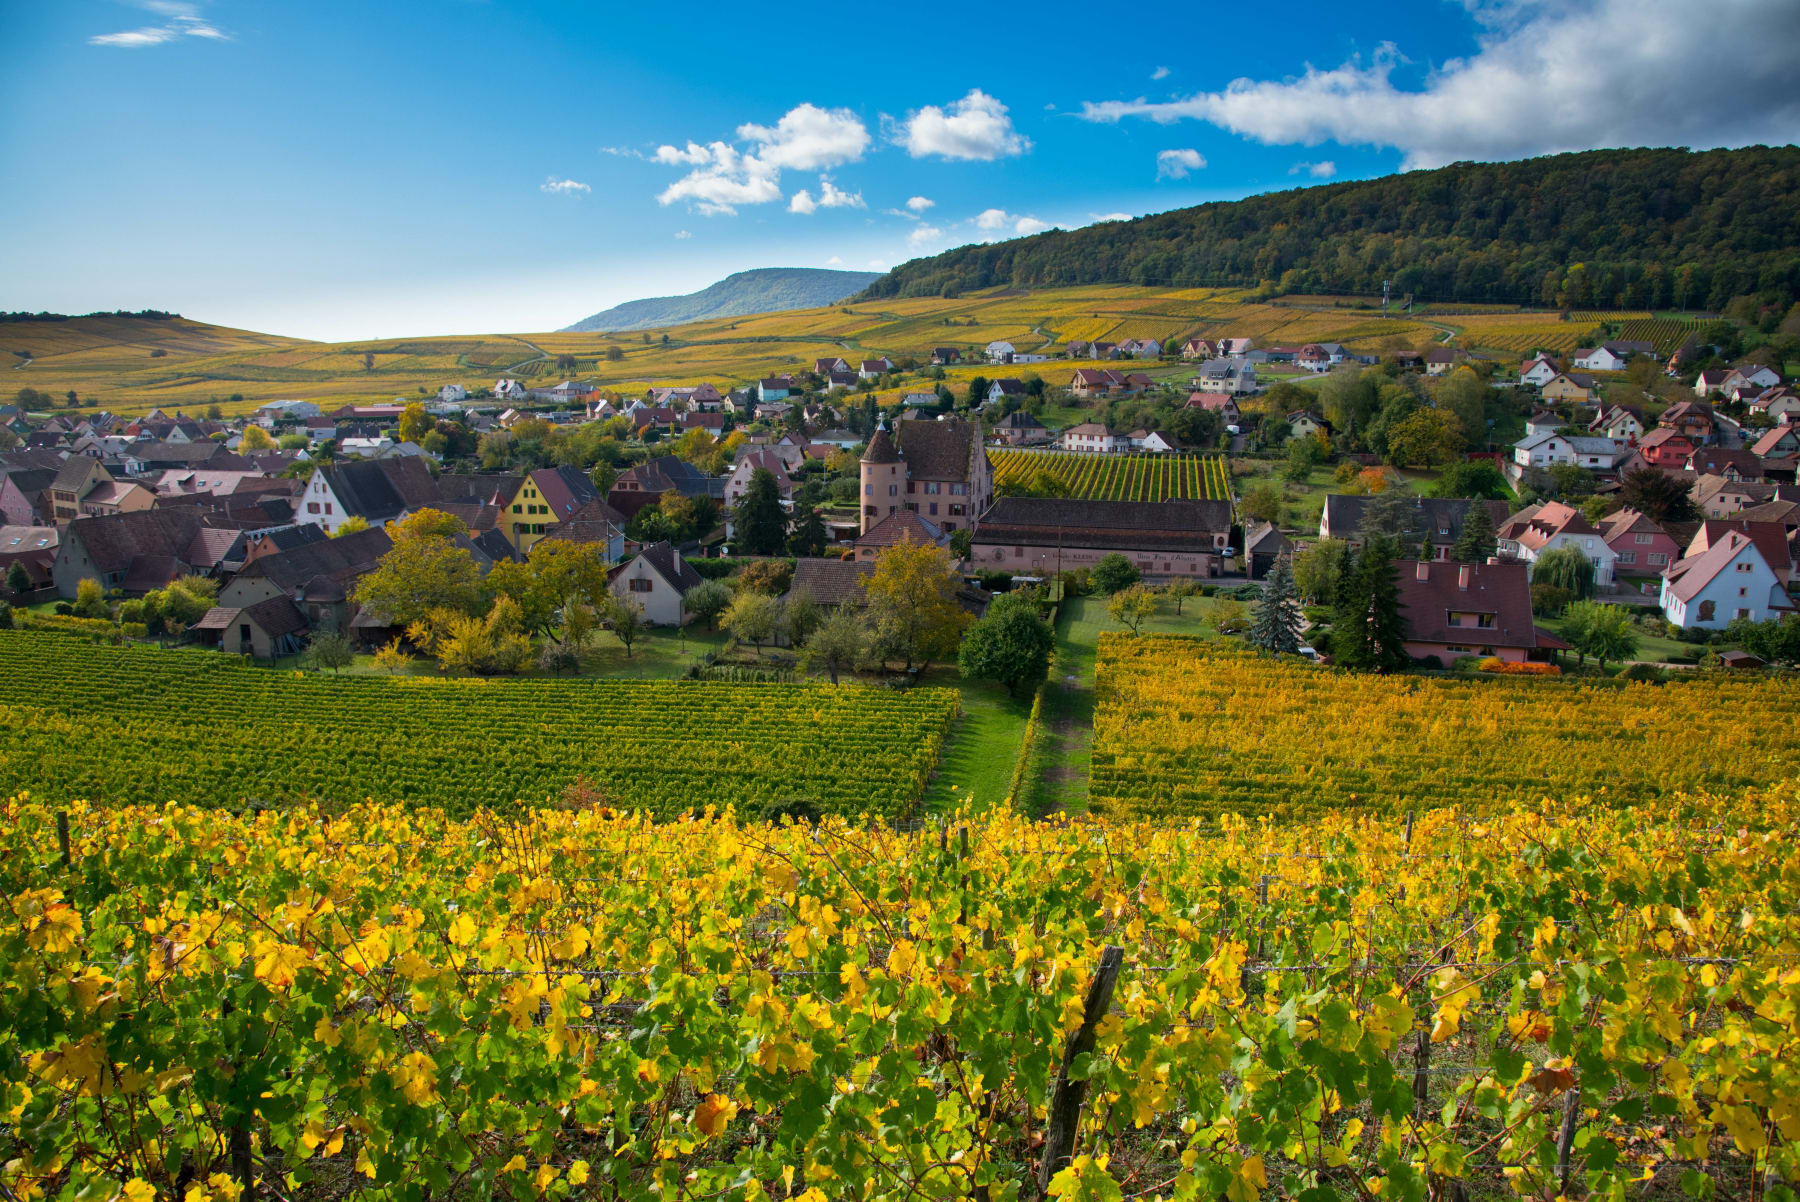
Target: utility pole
[(1386, 285)]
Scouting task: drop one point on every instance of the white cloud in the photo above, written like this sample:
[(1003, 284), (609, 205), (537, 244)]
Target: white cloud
[(1324, 170), (1160, 73), (1177, 164), (1030, 225), (878, 264), (975, 127), (1534, 87), (564, 187), (835, 261), (184, 21), (994, 220), (830, 197), (923, 235), (919, 204), (991, 219), (723, 177), (1099, 217), (682, 235)]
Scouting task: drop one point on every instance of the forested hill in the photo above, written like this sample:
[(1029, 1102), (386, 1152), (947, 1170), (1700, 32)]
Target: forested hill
[(1650, 228), (763, 290)]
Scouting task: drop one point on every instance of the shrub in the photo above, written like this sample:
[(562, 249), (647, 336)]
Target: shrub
[(65, 609), (1501, 667)]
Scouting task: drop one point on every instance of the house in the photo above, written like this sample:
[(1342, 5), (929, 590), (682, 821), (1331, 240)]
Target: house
[(269, 629), (1599, 358), (25, 496), (1619, 421), (1733, 465), (1640, 546), (1751, 375), (999, 390), (1696, 419), (1771, 539), (318, 577), (1199, 348), (774, 388), (1041, 536), (829, 583), (1440, 359), (1779, 403), (1777, 442), (132, 552), (1549, 450), (1094, 438), (1141, 348), (1452, 610), (1221, 403), (657, 580), (1103, 350), (452, 394), (841, 381), (1313, 357), (837, 438), (1263, 546), (1000, 352), (1544, 421), (1537, 529), (1710, 381), (1729, 580), (903, 526), (1236, 346), (1231, 376), (944, 356), (1020, 429), (825, 368), (1440, 517), (117, 496), (1154, 442), (1302, 424), (873, 368), (1664, 447), (937, 468), (268, 415), (698, 419), (1538, 371), (1720, 496), (32, 546), (737, 485), (78, 476), (640, 487), (1571, 386), (377, 491), (543, 499)]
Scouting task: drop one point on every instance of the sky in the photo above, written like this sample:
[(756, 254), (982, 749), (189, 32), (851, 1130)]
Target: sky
[(340, 169)]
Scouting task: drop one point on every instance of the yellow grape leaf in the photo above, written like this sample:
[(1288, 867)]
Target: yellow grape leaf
[(462, 930), (713, 1114)]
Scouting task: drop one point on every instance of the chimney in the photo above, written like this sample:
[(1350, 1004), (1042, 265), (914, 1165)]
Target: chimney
[(1423, 572), (1462, 577)]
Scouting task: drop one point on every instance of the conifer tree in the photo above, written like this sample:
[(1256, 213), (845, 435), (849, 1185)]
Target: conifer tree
[(1276, 628), (1476, 542)]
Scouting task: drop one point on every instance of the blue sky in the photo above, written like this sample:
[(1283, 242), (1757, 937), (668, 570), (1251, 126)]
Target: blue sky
[(339, 170)]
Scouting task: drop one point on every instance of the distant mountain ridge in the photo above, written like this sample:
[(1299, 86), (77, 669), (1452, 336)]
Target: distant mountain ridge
[(762, 290), (1599, 229)]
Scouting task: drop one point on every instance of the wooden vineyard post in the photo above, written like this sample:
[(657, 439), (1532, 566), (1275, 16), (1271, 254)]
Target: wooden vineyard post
[(1067, 1097), (1565, 1138), (62, 837), (237, 1136)]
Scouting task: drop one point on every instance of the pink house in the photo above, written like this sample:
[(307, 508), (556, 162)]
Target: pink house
[(1641, 545), (1457, 609)]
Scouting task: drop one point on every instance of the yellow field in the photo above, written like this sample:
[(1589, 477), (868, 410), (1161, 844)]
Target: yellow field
[(1521, 332), (108, 360)]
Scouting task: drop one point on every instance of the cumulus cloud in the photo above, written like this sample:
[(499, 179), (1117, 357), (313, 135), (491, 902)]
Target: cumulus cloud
[(975, 127), (835, 261), (1324, 170), (1097, 218), (830, 197), (994, 220), (1534, 86), (1160, 73), (183, 21), (1177, 164), (1030, 225), (722, 176), (562, 187), (923, 235), (919, 204), (682, 234)]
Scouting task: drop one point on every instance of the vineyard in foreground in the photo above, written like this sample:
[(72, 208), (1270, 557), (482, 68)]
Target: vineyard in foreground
[(1119, 477), (1556, 1000), (1185, 727), (140, 723)]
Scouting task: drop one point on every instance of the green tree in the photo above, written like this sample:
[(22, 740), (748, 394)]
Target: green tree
[(90, 600), (1600, 630), (329, 649), (1276, 627), (1114, 572), (809, 536), (1566, 568), (1658, 496), (752, 617), (1367, 631), (356, 523), (255, 439), (1131, 605), (1179, 590), (1426, 437), (1318, 569), (625, 618), (840, 644), (1303, 455), (912, 603), (424, 570), (1476, 542), (18, 580), (415, 423), (1011, 644), (761, 521), (708, 600), (1262, 500), (1478, 479)]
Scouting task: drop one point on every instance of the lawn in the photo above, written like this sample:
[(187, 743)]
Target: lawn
[(978, 757), (1652, 648)]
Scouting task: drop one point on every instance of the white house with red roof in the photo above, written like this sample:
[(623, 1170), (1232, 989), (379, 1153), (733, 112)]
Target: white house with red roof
[(1538, 529), (1729, 580)]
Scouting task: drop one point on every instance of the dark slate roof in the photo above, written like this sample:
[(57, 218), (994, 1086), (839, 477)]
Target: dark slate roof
[(184, 454), (830, 581), (381, 489), (31, 481), (479, 488), (346, 556), (1442, 516), (1019, 420), (31, 457), (666, 472), (565, 489), (493, 543), (1500, 589), (595, 522), (936, 450), (276, 615), (1265, 539), (1124, 525), (114, 542), (74, 472), (903, 525), (672, 567), (880, 449), (149, 572)]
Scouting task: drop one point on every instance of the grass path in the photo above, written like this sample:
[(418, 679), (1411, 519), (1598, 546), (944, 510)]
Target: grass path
[(983, 746)]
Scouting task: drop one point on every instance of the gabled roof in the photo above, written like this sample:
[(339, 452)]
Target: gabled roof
[(595, 522), (1431, 592), (671, 566), (382, 489), (564, 489), (1535, 525), (113, 542), (1188, 526), (1628, 521), (902, 526), (1442, 516), (1772, 439), (275, 615), (1770, 539), (830, 581), (1688, 577), (342, 558)]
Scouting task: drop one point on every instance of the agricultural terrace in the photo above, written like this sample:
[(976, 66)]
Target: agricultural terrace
[(1119, 477), (1184, 727), (1560, 1001), (142, 724)]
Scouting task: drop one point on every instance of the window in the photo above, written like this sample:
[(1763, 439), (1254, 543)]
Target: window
[(894, 490), (1658, 559), (868, 490), (1641, 539), (1018, 552), (1628, 557), (312, 507), (328, 507), (933, 488), (1743, 592), (641, 584), (517, 509), (957, 511), (869, 511), (1743, 565), (912, 486), (1743, 613), (1706, 611), (934, 505)]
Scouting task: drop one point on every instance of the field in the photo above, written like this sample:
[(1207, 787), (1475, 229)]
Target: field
[(186, 724), (1667, 333), (108, 360), (1174, 736), (1573, 1001), (1521, 333), (1119, 477)]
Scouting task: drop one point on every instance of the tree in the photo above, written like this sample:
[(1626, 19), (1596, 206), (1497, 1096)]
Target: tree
[(1011, 644), (356, 523), (978, 387), (1657, 495), (255, 439), (768, 576), (912, 603), (1262, 501), (391, 658), (840, 644), (752, 617), (415, 423), (1566, 568), (1179, 590), (1114, 572), (1478, 479), (708, 600), (1427, 437), (1318, 569), (1476, 542), (1602, 631), (424, 570), (626, 618), (1303, 455), (809, 536), (1367, 631), (1276, 628), (368, 360), (1132, 605), (18, 580), (329, 649), (90, 600)]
